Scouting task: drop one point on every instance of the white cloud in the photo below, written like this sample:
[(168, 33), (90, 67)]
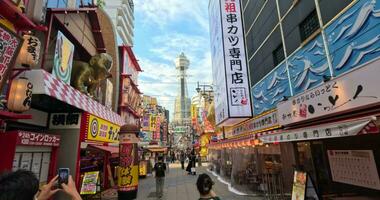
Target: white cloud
[(163, 12)]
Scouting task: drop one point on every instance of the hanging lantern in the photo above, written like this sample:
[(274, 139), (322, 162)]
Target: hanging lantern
[(30, 51), (20, 95)]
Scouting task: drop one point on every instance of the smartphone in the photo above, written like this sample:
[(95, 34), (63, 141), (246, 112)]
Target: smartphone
[(63, 176)]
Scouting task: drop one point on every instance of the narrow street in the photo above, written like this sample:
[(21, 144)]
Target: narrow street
[(179, 185)]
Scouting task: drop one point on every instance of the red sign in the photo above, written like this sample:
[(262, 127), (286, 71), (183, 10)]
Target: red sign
[(37, 139), (10, 44)]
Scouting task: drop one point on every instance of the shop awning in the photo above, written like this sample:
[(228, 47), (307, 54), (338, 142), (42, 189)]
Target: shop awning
[(45, 83), (111, 149), (331, 130)]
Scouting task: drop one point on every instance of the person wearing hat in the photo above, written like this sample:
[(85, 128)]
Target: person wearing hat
[(204, 186)]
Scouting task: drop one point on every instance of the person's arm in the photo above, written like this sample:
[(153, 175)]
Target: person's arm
[(47, 190)]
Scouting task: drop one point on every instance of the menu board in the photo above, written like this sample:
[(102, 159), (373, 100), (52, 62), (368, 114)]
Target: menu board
[(89, 182), (299, 185), (355, 167)]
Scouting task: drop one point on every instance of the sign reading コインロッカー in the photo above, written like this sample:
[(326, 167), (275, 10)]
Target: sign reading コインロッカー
[(351, 91), (230, 73), (100, 130)]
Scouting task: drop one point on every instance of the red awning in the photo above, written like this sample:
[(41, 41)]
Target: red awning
[(110, 149)]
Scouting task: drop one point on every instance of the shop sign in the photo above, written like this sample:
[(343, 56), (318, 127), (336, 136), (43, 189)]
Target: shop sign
[(89, 183), (10, 45), (323, 132), (261, 123), (299, 185), (30, 52), (65, 120), (145, 125), (101, 130), (128, 171), (351, 91), (37, 139), (354, 167), (63, 58), (230, 74)]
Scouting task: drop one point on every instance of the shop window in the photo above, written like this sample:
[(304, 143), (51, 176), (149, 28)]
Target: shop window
[(309, 25), (278, 55)]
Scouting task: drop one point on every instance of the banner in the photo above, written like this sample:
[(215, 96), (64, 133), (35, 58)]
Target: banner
[(299, 185), (128, 171), (63, 58), (145, 125), (100, 130), (89, 183)]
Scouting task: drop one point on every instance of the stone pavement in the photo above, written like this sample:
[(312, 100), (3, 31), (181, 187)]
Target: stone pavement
[(179, 185)]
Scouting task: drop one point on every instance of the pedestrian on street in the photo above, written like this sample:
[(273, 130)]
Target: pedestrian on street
[(204, 186), (182, 159), (24, 185), (160, 168), (191, 163)]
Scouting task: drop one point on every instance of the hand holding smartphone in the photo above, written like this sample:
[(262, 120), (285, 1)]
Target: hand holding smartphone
[(63, 176)]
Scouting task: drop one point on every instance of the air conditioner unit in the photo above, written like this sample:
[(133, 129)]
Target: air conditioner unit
[(37, 11)]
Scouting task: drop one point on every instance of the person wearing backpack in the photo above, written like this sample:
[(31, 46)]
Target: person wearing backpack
[(160, 168)]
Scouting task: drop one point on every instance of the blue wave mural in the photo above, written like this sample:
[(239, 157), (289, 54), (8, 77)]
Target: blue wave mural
[(269, 91), (308, 65), (354, 37)]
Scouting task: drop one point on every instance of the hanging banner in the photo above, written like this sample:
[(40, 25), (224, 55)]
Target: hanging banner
[(344, 129), (230, 70), (299, 185), (128, 171), (10, 45), (89, 183), (98, 129), (63, 58), (356, 89)]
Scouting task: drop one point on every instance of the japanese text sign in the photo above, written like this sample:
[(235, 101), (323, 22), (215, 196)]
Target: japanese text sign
[(37, 139), (98, 129), (232, 86), (89, 182), (128, 169), (65, 120), (351, 91), (10, 45)]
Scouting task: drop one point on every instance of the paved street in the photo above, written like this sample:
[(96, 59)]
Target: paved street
[(179, 185)]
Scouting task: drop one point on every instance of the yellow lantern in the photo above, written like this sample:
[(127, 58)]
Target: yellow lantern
[(30, 51), (20, 95)]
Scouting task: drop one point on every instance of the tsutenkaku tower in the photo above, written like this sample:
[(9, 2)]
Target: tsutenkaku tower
[(182, 101)]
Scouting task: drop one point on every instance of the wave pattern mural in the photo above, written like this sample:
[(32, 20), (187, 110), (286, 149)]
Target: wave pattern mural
[(269, 91), (354, 37)]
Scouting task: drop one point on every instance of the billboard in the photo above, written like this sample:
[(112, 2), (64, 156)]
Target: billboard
[(63, 58), (229, 65)]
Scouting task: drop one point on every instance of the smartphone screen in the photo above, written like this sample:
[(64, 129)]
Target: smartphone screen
[(63, 176)]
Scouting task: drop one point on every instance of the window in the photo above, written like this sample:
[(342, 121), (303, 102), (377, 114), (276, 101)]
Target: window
[(57, 4), (278, 55), (309, 25)]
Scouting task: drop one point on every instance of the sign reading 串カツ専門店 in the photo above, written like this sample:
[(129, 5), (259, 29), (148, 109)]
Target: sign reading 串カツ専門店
[(356, 89), (10, 45), (230, 73)]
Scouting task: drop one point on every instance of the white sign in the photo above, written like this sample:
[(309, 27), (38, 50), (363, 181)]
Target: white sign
[(355, 167), (322, 132), (65, 120), (353, 90), (230, 73)]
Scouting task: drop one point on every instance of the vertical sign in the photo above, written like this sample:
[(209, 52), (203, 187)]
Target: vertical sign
[(10, 45), (234, 87), (63, 58), (128, 174)]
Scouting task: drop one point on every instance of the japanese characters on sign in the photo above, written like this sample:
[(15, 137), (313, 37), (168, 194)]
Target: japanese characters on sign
[(10, 45), (30, 52), (257, 124), (89, 183), (350, 91), (100, 130), (37, 139), (64, 120), (235, 66), (128, 169), (328, 131)]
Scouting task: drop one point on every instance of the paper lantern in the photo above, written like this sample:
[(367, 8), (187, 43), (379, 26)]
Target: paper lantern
[(20, 95), (30, 51)]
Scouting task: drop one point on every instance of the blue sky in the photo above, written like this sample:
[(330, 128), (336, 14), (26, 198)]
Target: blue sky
[(164, 29)]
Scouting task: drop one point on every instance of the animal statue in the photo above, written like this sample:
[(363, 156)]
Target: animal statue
[(86, 77)]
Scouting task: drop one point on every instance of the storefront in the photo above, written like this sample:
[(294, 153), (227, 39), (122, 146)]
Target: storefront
[(32, 151)]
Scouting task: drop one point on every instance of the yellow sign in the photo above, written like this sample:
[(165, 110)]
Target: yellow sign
[(143, 168), (89, 182), (152, 119), (128, 178), (101, 130)]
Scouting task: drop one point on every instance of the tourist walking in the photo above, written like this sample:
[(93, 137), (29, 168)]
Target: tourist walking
[(160, 168)]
